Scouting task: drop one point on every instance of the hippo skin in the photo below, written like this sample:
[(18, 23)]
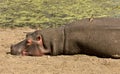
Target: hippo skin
[(100, 37)]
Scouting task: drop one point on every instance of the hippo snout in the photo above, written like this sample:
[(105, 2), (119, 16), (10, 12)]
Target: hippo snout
[(14, 51)]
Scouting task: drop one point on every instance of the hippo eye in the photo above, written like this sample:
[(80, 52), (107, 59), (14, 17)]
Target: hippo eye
[(29, 41)]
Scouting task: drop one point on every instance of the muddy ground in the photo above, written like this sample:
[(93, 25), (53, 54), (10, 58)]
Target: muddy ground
[(76, 64)]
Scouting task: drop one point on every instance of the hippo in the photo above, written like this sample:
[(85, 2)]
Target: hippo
[(99, 37)]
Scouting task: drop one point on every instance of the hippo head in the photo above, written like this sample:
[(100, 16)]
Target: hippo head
[(31, 46)]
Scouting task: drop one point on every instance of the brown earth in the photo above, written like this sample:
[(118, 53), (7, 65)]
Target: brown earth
[(76, 64)]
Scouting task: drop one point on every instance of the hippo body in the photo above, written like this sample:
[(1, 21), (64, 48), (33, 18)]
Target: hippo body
[(101, 37)]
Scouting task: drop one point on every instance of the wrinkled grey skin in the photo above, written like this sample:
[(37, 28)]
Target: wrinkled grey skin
[(101, 37)]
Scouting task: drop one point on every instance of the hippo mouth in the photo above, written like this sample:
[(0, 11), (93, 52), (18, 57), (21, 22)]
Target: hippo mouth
[(29, 50), (31, 53)]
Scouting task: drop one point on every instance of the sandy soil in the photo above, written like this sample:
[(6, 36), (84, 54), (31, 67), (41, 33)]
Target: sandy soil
[(76, 64)]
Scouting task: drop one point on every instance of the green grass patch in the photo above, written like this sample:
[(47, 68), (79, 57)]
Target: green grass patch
[(53, 13)]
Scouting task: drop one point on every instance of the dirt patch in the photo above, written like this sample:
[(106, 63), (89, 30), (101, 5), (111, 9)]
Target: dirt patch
[(76, 64)]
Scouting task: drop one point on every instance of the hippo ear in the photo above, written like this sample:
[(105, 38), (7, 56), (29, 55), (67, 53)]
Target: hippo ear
[(39, 40)]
